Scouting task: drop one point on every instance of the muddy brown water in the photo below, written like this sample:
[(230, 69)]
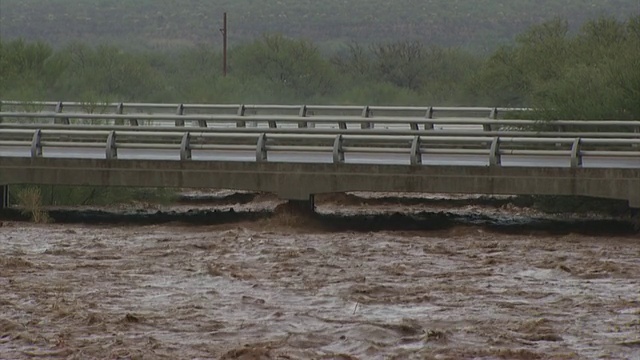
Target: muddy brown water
[(286, 288)]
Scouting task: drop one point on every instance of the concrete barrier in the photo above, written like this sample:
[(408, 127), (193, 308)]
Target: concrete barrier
[(300, 181)]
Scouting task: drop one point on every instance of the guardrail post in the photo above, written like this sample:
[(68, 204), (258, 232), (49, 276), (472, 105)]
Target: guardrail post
[(303, 113), (185, 147), (366, 113), (338, 151), (202, 123), (119, 111), (261, 148), (64, 121), (416, 154), (414, 126), (637, 131), (495, 159), (4, 196), (241, 111), (576, 156), (36, 144), (180, 112), (111, 151), (429, 115), (134, 122), (342, 125), (272, 124), (560, 128), (493, 115)]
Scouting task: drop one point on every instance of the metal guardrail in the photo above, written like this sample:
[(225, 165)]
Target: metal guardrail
[(252, 109), (7, 128), (414, 146), (342, 122), (415, 131), (254, 115)]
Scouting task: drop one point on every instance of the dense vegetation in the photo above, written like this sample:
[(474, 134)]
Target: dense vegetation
[(594, 74), (480, 25)]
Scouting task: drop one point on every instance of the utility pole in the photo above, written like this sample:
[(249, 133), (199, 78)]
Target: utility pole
[(224, 45)]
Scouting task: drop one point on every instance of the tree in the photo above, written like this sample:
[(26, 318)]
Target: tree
[(291, 66), (593, 75), (107, 72), (25, 68)]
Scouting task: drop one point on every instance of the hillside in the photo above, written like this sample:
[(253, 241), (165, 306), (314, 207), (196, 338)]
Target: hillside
[(477, 25)]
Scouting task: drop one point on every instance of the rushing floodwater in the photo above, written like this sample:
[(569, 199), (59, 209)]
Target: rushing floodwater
[(269, 290)]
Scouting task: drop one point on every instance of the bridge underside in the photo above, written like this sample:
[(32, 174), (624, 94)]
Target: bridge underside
[(300, 181)]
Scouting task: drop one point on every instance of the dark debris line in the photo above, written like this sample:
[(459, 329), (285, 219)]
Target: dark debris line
[(422, 221)]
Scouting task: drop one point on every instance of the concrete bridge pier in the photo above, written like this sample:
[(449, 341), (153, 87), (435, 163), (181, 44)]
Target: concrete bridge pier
[(635, 219), (302, 206), (4, 196), (634, 205)]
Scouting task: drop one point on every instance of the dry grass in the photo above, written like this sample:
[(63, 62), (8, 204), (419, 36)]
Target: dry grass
[(30, 200)]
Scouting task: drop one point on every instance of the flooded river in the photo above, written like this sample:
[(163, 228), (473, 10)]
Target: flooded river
[(277, 289)]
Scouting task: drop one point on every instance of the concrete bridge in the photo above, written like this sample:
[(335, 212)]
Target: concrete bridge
[(300, 181), (299, 162)]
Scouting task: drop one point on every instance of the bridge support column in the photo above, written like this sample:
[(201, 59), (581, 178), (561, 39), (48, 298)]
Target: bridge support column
[(635, 203), (303, 206), (4, 196), (635, 219)]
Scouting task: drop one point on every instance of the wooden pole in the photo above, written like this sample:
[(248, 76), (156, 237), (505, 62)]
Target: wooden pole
[(224, 45)]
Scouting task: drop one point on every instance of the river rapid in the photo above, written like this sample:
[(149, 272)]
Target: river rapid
[(287, 288)]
